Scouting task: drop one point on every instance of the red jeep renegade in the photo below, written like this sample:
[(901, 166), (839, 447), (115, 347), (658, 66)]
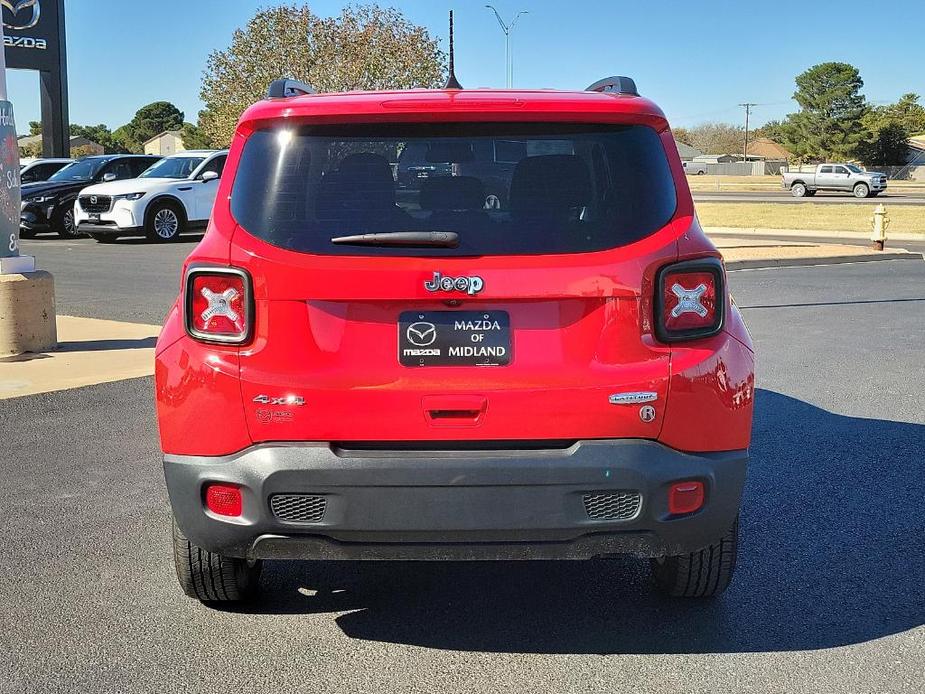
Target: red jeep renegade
[(451, 324)]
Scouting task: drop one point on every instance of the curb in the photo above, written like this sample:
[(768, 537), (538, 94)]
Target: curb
[(739, 231), (819, 260)]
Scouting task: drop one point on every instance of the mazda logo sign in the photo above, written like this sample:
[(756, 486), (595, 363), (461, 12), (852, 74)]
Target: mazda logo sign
[(20, 19), (92, 199), (421, 334)]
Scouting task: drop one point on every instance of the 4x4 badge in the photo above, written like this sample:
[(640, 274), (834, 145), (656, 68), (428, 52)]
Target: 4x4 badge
[(470, 285)]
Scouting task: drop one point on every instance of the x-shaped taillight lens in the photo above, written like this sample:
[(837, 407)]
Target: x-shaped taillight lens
[(218, 304), (690, 300)]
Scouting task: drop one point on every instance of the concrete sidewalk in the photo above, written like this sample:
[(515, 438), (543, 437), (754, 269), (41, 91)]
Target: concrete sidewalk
[(89, 351), (788, 233), (742, 252)]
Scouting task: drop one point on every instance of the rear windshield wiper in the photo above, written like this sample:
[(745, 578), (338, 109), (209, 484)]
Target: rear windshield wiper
[(441, 239)]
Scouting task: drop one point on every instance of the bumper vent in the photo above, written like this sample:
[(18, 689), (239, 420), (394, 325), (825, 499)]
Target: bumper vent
[(612, 505), (298, 508)]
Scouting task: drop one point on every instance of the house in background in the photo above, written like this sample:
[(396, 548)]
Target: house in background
[(766, 148), (687, 152), (31, 146), (167, 142)]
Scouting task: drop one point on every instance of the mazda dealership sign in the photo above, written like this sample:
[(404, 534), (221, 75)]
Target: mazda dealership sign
[(34, 39)]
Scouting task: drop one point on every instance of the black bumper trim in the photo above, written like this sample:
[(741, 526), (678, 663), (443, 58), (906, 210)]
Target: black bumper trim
[(108, 230), (484, 504)]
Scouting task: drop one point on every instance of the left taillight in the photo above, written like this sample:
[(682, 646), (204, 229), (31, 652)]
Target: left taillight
[(690, 300), (219, 304)]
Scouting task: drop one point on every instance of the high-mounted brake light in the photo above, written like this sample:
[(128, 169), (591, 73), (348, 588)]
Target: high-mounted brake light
[(219, 305), (690, 300)]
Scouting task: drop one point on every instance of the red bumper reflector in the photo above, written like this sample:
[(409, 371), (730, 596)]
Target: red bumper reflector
[(685, 497), (223, 499)]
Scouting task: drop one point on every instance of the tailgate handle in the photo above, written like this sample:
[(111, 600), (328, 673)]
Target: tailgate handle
[(454, 410)]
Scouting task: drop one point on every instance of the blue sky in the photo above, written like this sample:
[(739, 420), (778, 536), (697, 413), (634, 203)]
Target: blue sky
[(695, 59)]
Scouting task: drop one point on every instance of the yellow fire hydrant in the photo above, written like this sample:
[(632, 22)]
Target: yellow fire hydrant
[(879, 223)]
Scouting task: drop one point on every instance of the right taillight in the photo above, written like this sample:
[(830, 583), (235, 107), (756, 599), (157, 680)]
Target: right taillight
[(690, 300), (219, 305)]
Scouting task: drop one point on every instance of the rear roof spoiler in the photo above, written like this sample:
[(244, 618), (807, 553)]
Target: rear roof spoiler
[(284, 88), (614, 85)]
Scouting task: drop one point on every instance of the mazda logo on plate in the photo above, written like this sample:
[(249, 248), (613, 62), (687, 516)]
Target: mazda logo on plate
[(92, 199), (28, 20), (421, 334)]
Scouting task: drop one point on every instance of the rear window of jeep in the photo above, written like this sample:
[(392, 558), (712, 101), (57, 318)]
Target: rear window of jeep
[(503, 188)]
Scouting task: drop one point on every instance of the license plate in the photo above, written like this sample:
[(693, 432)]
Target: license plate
[(454, 338), (94, 217)]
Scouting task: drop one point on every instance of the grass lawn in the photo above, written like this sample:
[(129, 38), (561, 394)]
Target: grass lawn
[(828, 217)]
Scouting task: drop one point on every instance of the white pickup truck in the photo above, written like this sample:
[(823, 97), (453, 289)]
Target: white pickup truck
[(839, 177)]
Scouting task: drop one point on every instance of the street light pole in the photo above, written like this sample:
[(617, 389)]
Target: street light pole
[(508, 29)]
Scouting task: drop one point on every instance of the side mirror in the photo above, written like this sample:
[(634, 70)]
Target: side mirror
[(209, 176), (107, 177)]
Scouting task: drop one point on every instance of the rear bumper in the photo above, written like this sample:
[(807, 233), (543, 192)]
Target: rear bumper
[(494, 504)]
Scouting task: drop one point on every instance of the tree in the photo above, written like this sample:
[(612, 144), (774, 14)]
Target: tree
[(716, 138), (365, 47), (149, 121), (907, 113), (682, 135), (195, 137), (35, 127), (888, 146), (33, 149), (99, 134), (828, 125)]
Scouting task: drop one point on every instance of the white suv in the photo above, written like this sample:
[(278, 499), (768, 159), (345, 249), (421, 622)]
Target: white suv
[(173, 196)]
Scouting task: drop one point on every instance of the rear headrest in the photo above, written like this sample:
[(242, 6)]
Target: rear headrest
[(361, 181), (452, 193), (550, 182)]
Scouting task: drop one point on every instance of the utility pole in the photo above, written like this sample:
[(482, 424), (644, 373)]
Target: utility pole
[(748, 111), (508, 29)]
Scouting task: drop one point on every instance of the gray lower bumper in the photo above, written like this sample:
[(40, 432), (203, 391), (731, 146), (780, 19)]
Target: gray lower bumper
[(473, 504)]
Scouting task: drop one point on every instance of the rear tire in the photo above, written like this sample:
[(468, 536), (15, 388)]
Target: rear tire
[(701, 574), (861, 190), (798, 190), (211, 577)]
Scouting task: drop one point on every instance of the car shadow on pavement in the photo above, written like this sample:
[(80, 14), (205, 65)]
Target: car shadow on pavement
[(107, 345), (831, 555)]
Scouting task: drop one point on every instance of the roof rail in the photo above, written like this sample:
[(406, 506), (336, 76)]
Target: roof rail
[(284, 88), (614, 85)]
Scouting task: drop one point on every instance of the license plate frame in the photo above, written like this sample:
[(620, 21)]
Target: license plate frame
[(454, 338)]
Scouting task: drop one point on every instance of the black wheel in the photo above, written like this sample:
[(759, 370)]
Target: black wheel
[(210, 577), (63, 223), (165, 221), (104, 238), (701, 173), (700, 574), (861, 190), (798, 190)]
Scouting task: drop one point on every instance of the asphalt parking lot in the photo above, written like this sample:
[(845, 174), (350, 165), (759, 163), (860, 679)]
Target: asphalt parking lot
[(827, 597)]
